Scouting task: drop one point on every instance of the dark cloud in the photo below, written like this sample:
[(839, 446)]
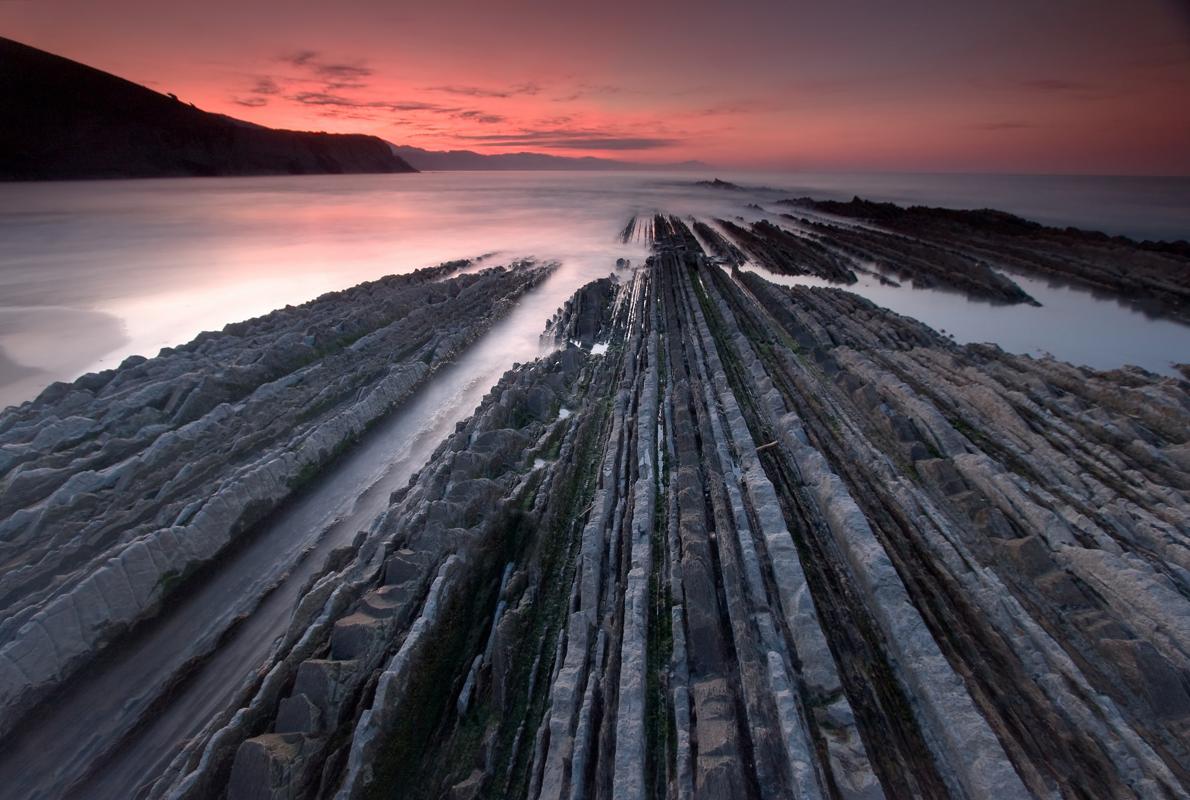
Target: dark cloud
[(299, 58), (479, 116), (328, 99), (612, 143), (337, 86), (324, 82), (323, 99), (339, 113), (266, 86), (263, 88), (343, 71), (476, 91), (341, 104), (334, 75), (591, 90), (324, 86), (573, 140)]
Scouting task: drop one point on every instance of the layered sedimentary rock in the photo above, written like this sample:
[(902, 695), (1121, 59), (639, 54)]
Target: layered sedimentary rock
[(463, 578), (770, 542), (784, 252), (718, 245), (585, 316), (1153, 275), (910, 259), (116, 488)]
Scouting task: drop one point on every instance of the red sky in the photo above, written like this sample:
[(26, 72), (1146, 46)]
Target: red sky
[(1054, 86)]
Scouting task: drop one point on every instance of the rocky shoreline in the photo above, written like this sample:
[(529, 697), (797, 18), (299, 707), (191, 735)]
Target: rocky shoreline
[(773, 542), (1155, 276), (118, 486), (77, 122), (729, 539)]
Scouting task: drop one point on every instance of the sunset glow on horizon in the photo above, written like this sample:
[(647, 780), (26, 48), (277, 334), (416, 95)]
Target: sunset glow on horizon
[(1095, 87)]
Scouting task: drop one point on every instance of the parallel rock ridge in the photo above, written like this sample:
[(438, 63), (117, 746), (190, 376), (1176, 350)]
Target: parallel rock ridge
[(974, 253), (116, 488), (947, 247), (771, 542)]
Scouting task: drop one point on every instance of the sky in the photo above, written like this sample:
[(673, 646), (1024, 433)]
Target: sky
[(1015, 86)]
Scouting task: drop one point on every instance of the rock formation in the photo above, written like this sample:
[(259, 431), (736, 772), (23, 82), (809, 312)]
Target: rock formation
[(78, 122), (772, 543), (730, 539), (118, 487), (1153, 275), (786, 253)]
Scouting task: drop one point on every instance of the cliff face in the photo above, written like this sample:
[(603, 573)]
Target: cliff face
[(64, 120)]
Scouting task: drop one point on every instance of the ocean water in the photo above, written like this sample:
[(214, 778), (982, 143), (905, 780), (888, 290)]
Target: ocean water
[(92, 272)]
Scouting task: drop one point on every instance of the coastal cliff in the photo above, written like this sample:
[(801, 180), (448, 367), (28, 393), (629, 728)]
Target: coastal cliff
[(80, 122)]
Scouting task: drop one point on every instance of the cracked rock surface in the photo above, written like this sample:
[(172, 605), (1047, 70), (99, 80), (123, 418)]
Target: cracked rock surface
[(117, 488), (728, 539), (772, 542)]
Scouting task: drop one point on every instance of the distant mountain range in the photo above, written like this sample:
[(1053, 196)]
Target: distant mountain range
[(470, 160)]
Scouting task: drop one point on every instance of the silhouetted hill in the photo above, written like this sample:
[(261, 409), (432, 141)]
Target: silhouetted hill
[(62, 120), (470, 160)]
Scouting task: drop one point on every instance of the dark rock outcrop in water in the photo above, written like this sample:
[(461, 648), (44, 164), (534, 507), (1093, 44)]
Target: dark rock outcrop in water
[(64, 120), (771, 543), (919, 262), (586, 316), (787, 253), (1152, 275), (716, 183), (117, 488), (720, 247)]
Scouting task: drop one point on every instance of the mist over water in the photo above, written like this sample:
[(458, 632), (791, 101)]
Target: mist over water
[(1140, 207), (93, 272)]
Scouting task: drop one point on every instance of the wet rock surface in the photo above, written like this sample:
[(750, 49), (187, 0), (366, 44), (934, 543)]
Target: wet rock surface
[(783, 543), (1153, 275), (734, 539), (118, 487), (585, 318), (780, 250), (908, 258)]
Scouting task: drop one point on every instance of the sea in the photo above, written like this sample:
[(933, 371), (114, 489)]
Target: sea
[(92, 272)]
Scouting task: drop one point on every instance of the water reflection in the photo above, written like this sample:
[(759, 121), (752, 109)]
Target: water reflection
[(1069, 324)]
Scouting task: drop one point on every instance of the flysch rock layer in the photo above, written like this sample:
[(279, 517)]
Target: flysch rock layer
[(751, 541), (117, 487), (966, 249)]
